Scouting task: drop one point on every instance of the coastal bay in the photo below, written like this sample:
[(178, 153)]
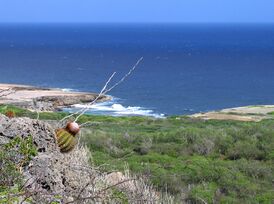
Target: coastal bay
[(118, 104)]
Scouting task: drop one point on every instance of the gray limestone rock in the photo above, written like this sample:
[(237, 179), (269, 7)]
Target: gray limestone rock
[(56, 176), (42, 133)]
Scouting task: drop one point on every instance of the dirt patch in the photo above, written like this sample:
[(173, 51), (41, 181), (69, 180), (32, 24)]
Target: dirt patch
[(246, 113)]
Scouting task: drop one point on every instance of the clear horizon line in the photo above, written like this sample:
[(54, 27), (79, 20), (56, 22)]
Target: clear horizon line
[(65, 22)]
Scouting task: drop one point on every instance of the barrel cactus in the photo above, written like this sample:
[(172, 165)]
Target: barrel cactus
[(66, 137)]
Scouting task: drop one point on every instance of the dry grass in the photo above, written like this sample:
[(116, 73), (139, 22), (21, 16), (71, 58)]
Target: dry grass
[(87, 184)]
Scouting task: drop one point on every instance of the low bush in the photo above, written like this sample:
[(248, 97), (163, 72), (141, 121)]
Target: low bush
[(13, 156)]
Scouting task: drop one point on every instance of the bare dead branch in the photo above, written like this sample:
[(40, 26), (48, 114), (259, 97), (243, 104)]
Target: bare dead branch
[(92, 102), (103, 91)]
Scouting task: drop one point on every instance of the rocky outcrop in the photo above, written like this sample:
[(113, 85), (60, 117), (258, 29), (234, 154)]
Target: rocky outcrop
[(53, 176), (42, 133), (53, 103)]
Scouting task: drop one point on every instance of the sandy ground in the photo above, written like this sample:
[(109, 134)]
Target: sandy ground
[(245, 113), (24, 96), (262, 109), (21, 92)]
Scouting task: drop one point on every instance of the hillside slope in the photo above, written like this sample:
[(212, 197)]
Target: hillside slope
[(34, 171)]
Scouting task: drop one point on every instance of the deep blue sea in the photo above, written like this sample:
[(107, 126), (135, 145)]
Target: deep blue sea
[(187, 68)]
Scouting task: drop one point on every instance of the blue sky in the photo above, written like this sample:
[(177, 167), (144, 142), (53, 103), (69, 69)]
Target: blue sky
[(128, 11)]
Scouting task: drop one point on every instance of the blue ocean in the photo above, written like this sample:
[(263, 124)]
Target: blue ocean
[(187, 68)]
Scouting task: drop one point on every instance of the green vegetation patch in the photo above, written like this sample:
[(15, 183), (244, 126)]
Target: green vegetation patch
[(14, 156), (211, 161), (206, 161)]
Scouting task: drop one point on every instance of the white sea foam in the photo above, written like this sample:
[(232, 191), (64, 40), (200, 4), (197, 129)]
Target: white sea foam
[(117, 109), (68, 90)]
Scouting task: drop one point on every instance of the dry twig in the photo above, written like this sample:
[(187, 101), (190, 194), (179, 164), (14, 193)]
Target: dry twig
[(103, 91)]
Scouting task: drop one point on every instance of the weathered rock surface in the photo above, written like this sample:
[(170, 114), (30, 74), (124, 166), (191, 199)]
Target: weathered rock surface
[(42, 133), (51, 175)]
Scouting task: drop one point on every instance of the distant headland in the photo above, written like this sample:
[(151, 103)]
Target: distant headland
[(253, 113), (44, 99), (53, 99)]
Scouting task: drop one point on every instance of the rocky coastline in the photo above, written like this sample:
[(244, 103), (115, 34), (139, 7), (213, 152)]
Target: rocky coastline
[(44, 99)]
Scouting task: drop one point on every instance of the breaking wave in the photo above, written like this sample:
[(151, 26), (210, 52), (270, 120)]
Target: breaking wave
[(68, 90), (115, 109)]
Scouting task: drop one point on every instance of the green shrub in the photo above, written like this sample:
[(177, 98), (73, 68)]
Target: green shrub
[(205, 192), (244, 149), (14, 156), (265, 198)]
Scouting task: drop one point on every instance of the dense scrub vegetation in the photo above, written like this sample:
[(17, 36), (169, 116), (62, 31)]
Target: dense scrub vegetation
[(13, 157), (199, 161), (221, 161)]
